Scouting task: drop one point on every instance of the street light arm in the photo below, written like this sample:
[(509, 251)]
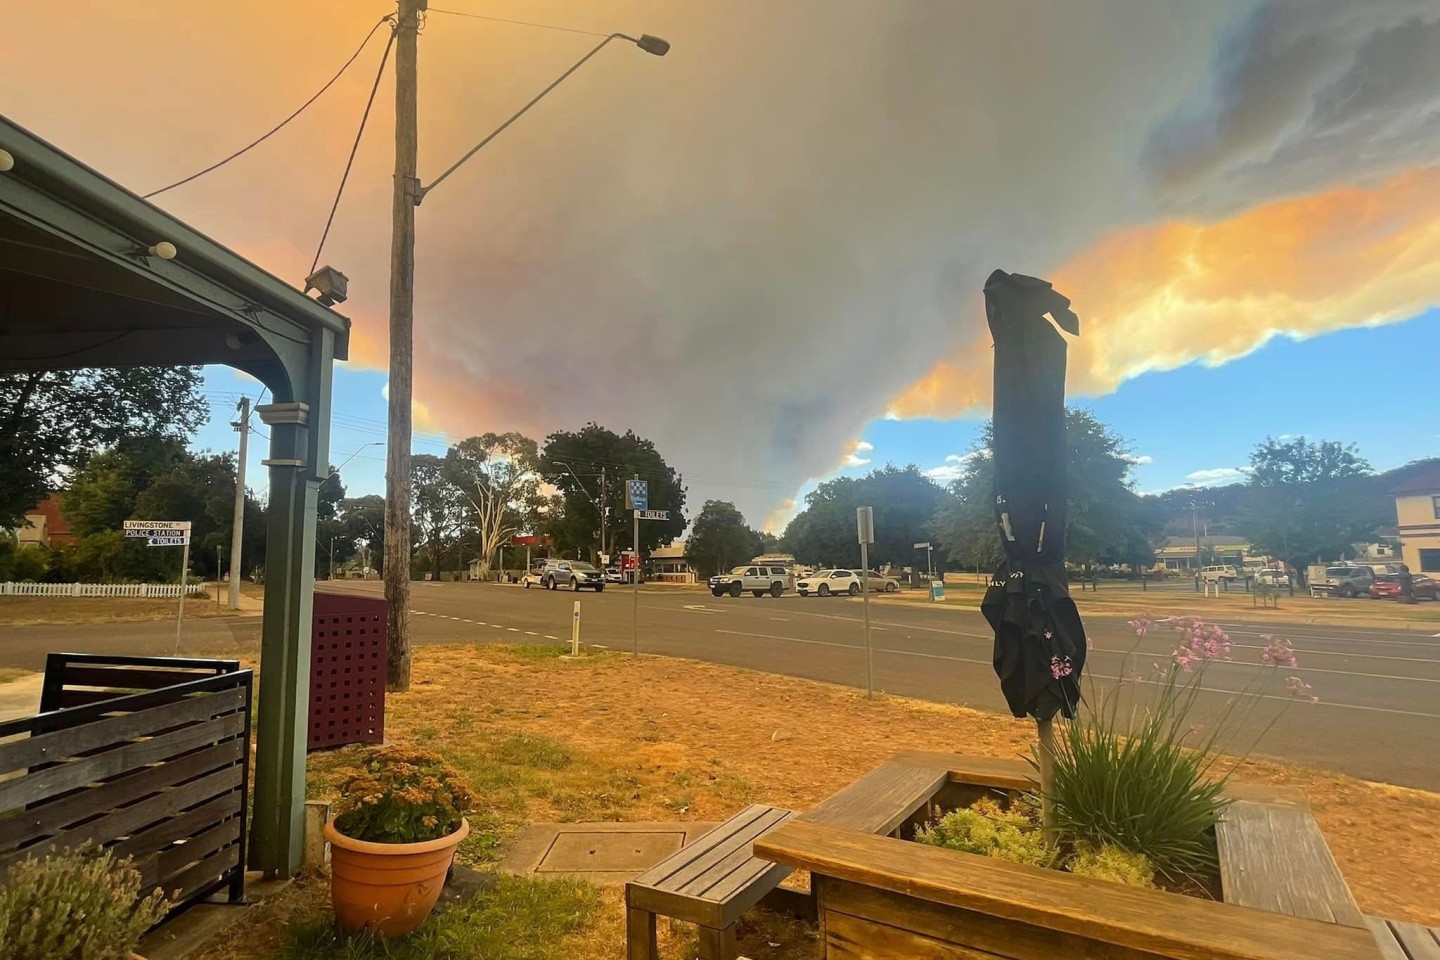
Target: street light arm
[(646, 43)]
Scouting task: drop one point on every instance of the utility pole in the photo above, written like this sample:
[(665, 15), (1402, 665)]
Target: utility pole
[(237, 522), (635, 590), (604, 515), (402, 322)]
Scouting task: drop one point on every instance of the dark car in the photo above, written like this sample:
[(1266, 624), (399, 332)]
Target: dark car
[(1387, 587)]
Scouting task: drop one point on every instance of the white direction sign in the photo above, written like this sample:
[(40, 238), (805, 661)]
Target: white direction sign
[(160, 533), (652, 514)]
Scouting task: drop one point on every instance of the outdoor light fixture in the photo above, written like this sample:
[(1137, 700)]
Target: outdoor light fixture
[(7, 161), (653, 45), (165, 250), (330, 284)]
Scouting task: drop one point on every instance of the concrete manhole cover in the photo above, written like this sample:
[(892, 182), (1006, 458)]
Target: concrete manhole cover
[(608, 852)]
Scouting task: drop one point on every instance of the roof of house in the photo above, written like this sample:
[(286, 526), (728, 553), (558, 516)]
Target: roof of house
[(56, 526), (1215, 541), (675, 551), (1428, 482)]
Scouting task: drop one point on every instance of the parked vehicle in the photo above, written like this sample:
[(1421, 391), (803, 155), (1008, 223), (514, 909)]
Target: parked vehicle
[(1273, 577), (1219, 573), (1387, 587), (759, 579), (879, 583), (577, 574), (1348, 580), (535, 576), (613, 575), (822, 583)]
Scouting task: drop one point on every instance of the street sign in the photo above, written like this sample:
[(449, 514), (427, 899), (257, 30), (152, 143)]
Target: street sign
[(160, 533), (922, 546), (637, 495), (652, 514), (865, 524)]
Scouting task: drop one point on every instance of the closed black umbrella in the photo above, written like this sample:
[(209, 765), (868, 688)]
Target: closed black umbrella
[(1039, 640)]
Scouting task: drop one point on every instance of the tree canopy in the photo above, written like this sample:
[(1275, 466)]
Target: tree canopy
[(497, 481), (904, 501), (720, 538), (573, 462), (52, 423)]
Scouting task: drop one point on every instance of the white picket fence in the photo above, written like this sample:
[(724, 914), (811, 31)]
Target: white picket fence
[(148, 590)]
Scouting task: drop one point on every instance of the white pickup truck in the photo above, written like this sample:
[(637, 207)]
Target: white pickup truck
[(757, 578)]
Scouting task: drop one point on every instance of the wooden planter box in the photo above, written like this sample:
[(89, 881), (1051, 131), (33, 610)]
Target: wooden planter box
[(886, 897)]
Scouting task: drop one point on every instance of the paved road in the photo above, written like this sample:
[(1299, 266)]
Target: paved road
[(1378, 716)]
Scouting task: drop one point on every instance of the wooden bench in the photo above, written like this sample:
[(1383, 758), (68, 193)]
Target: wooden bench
[(1274, 857), (1405, 941), (885, 798), (709, 882)]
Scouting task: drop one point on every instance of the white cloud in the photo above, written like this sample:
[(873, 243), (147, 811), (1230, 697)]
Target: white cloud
[(853, 461), (946, 474), (1144, 460), (864, 446), (1215, 476)]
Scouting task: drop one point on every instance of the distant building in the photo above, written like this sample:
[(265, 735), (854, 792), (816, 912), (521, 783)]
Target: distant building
[(1178, 553), (1417, 509), (45, 525), (669, 563)]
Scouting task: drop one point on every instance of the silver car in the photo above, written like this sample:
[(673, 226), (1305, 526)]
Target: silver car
[(576, 574)]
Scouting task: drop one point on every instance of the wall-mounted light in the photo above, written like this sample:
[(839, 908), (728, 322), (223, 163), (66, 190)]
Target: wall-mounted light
[(331, 285), (7, 161), (165, 250)]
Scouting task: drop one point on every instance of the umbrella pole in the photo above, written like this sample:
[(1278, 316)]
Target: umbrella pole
[(1046, 756)]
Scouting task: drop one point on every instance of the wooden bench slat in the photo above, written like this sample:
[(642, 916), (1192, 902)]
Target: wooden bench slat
[(1401, 940), (740, 854), (677, 872), (1385, 938), (882, 799), (1274, 857)]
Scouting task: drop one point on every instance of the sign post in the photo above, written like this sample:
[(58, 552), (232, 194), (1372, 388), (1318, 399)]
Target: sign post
[(865, 532), (637, 497), (930, 566), (168, 533)]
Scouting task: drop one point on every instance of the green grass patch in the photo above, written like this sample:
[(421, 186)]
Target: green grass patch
[(522, 919), (532, 750), (544, 652)]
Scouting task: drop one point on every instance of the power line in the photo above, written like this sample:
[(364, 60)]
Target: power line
[(364, 118), (520, 23), (278, 127)]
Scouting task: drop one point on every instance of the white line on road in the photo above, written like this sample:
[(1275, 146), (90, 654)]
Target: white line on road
[(531, 633), (548, 637), (940, 656), (512, 629)]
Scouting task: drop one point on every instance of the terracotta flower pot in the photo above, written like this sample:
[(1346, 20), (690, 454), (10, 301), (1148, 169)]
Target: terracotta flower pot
[(388, 888)]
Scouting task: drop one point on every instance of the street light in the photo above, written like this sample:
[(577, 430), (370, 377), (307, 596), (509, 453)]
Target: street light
[(650, 44), (372, 443)]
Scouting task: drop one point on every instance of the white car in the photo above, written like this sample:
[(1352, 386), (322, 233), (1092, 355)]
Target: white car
[(823, 583)]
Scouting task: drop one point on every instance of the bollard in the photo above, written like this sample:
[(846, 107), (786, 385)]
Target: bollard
[(575, 631)]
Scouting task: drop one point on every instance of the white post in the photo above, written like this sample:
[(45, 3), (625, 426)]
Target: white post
[(502, 563), (865, 602), (184, 566), (575, 631), (635, 593), (237, 519), (1046, 755)]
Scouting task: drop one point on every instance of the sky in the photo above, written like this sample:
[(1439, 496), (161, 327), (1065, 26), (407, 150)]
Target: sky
[(765, 250)]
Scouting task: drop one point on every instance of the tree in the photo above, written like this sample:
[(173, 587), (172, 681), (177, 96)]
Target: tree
[(53, 422), (1308, 502), (331, 492), (435, 512), (361, 529), (496, 476), (574, 461), (1108, 523), (1278, 463), (720, 538), (904, 500)]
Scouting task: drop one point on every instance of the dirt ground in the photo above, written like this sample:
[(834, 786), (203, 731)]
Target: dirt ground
[(612, 738)]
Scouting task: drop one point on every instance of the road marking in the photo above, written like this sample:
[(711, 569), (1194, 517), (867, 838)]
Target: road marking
[(779, 619), (696, 607), (548, 637), (531, 633), (512, 629), (941, 656)]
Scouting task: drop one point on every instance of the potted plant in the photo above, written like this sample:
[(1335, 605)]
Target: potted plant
[(400, 817), (81, 904)]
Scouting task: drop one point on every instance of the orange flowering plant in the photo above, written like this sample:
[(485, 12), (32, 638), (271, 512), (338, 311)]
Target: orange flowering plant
[(398, 794)]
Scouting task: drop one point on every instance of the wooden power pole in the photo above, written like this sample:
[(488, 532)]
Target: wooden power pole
[(402, 316)]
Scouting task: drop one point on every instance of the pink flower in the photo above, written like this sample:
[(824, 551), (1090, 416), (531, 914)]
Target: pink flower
[(1278, 652), (1300, 690), (1060, 667), (1184, 657), (1142, 626), (1089, 644)]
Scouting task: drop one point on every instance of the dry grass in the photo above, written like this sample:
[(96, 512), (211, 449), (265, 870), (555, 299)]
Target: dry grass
[(26, 611), (10, 675), (616, 739)]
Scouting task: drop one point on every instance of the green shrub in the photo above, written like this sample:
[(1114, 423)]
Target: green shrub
[(402, 795), (1116, 864), (986, 829), (75, 906)]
